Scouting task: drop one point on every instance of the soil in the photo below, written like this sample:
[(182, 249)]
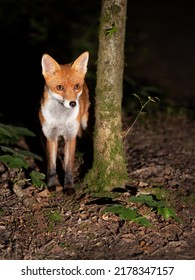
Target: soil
[(160, 156)]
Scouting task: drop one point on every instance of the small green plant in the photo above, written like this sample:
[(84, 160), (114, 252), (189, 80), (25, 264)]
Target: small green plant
[(16, 158), (14, 161), (110, 31), (10, 134), (37, 178), (53, 218), (141, 111), (127, 214), (160, 206)]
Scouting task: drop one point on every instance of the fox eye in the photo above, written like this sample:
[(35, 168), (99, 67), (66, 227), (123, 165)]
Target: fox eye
[(76, 87), (60, 87)]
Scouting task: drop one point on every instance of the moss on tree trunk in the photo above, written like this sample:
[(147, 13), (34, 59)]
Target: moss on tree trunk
[(109, 168)]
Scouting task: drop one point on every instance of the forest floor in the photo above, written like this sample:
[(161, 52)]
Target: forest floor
[(160, 155)]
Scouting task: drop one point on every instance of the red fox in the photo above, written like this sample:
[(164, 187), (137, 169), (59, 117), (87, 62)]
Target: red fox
[(63, 112)]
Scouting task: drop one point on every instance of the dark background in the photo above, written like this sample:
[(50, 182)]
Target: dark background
[(64, 29), (159, 50)]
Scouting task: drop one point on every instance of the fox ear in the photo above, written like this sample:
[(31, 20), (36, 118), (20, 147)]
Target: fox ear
[(80, 64), (49, 65)]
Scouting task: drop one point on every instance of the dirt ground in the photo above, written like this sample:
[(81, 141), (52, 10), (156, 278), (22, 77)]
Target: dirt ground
[(160, 154)]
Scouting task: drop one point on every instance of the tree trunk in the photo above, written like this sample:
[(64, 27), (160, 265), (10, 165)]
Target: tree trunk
[(109, 167)]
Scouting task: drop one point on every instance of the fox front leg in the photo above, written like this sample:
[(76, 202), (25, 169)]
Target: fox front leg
[(70, 147), (52, 180)]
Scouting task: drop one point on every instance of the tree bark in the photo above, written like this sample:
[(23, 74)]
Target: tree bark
[(109, 167)]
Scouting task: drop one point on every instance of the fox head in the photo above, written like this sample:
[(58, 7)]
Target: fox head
[(64, 83)]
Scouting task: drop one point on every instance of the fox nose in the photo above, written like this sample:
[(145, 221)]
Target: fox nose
[(72, 104)]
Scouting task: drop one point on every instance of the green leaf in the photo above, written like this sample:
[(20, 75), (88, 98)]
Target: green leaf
[(142, 221), (167, 212), (8, 149), (18, 162), (142, 198), (6, 158), (28, 154), (7, 135), (10, 134), (116, 209), (14, 161), (4, 132), (147, 199), (23, 131), (22, 153), (127, 214), (37, 178), (123, 212), (10, 129), (112, 30)]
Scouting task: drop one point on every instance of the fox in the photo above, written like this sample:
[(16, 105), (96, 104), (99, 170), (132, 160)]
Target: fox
[(63, 112)]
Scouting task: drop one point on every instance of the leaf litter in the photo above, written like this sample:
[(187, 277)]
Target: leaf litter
[(78, 227)]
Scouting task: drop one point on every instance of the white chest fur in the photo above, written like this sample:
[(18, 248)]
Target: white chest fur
[(59, 120)]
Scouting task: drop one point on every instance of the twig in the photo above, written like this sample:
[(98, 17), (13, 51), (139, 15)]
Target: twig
[(150, 99)]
